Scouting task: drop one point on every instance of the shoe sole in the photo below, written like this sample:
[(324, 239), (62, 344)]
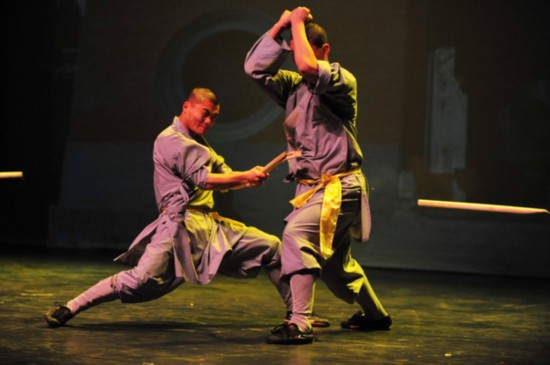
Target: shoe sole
[(52, 322), (289, 341), (320, 324)]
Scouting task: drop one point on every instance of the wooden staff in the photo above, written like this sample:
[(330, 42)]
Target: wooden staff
[(284, 156), (11, 175), (481, 207)]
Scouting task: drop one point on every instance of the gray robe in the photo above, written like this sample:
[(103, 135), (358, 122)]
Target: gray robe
[(199, 239), (320, 121)]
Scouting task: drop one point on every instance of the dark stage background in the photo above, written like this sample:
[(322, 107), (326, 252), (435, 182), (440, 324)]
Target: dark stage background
[(88, 85)]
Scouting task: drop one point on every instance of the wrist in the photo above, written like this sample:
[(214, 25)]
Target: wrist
[(280, 27), (296, 20)]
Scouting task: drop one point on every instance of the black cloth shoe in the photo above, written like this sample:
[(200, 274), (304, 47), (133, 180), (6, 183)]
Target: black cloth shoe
[(57, 317), (316, 321), (289, 334), (360, 323)]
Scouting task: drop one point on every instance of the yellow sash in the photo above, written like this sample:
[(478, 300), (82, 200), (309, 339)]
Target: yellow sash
[(332, 200)]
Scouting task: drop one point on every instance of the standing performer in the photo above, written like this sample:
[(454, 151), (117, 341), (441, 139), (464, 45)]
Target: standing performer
[(331, 203), (189, 241)]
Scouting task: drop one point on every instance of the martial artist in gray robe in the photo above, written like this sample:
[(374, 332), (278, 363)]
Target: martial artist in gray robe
[(331, 202), (188, 241)]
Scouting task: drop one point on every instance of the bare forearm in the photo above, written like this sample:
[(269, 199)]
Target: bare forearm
[(305, 59), (275, 31), (225, 181), (282, 24), (235, 179)]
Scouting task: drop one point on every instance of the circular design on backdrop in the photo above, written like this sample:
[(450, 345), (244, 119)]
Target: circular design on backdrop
[(190, 45)]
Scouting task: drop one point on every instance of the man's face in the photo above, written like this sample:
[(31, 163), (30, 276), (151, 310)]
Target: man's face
[(199, 116)]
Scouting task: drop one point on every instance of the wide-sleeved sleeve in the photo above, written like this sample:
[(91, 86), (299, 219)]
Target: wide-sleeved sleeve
[(263, 64)]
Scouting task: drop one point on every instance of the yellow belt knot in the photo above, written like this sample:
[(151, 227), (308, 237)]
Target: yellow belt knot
[(332, 200)]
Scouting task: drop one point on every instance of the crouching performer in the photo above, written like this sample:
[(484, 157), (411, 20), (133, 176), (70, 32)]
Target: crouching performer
[(189, 242)]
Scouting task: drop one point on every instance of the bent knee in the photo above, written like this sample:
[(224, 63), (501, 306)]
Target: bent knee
[(271, 242)]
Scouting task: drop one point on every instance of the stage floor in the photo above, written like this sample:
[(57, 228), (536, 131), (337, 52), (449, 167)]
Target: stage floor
[(438, 319)]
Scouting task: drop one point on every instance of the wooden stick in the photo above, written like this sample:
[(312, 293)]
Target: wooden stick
[(284, 156), (279, 159), (11, 175), (481, 207)]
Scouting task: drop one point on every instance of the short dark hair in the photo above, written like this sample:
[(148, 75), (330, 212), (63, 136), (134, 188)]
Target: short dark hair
[(199, 94), (316, 35)]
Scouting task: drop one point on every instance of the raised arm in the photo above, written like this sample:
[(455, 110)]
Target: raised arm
[(282, 24), (304, 57)]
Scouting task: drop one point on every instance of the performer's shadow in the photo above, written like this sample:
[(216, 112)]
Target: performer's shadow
[(178, 332)]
